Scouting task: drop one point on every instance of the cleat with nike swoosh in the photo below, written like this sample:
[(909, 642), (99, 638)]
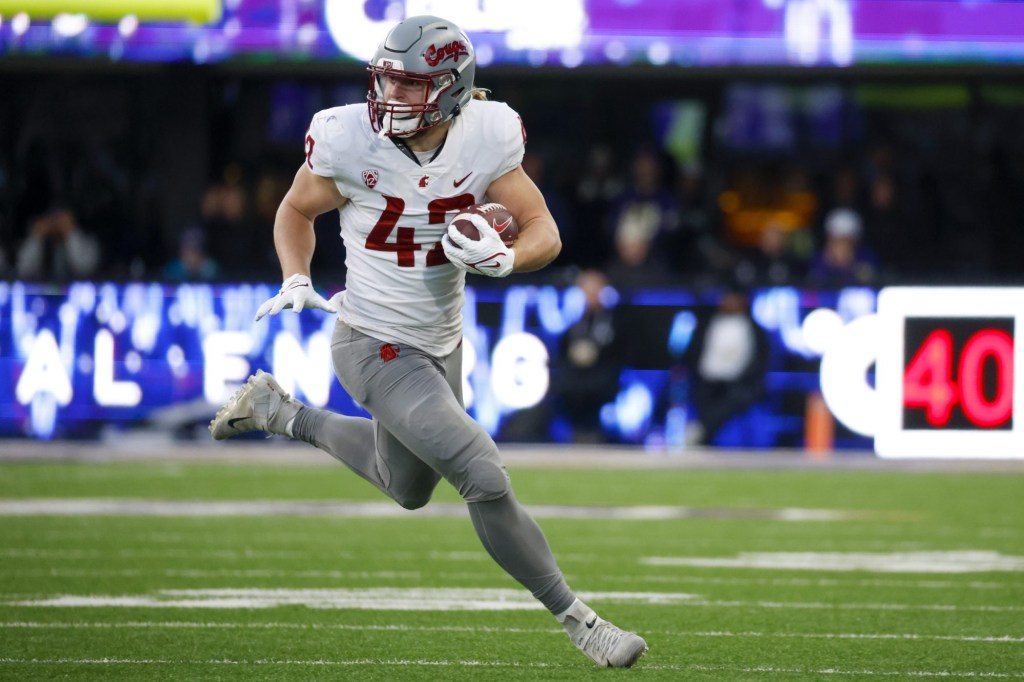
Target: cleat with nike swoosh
[(602, 642), (259, 405)]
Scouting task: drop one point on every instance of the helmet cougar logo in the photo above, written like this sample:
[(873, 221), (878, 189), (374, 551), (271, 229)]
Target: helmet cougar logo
[(436, 54), (370, 177)]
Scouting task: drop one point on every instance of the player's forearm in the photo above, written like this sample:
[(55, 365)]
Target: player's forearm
[(538, 245), (294, 240)]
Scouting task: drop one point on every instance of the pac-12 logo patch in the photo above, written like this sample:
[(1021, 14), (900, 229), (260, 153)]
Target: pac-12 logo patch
[(370, 177)]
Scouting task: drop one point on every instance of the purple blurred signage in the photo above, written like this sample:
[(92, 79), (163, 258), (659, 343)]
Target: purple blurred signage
[(567, 33)]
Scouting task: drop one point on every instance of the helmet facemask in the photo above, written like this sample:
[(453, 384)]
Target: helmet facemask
[(402, 119)]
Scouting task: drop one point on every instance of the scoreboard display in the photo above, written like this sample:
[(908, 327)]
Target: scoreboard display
[(948, 372)]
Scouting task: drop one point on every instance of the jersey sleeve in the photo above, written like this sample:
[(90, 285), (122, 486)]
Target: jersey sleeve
[(322, 128), (512, 137)]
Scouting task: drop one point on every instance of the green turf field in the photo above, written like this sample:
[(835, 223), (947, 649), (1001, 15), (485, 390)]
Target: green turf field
[(730, 575)]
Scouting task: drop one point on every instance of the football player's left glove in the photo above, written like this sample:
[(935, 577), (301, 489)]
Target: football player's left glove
[(296, 293), (487, 256)]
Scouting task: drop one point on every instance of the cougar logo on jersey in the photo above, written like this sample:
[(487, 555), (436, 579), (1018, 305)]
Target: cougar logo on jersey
[(389, 351), (436, 54), (424, 181), (370, 178)]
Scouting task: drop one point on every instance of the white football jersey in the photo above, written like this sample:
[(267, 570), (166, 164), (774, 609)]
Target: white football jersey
[(400, 286)]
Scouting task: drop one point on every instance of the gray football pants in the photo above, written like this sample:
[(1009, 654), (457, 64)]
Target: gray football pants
[(420, 432)]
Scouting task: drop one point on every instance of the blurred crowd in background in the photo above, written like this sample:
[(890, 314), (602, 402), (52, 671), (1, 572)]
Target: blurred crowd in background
[(654, 182)]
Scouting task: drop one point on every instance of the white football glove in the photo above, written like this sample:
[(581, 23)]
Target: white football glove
[(296, 293), (487, 256)]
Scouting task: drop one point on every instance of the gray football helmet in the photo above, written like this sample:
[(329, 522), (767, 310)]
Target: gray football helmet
[(428, 50)]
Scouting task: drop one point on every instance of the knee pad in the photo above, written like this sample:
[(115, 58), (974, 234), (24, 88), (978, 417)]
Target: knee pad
[(484, 480), (417, 491), (414, 499)]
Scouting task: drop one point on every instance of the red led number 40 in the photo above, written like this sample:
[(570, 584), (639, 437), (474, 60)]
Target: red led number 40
[(930, 384)]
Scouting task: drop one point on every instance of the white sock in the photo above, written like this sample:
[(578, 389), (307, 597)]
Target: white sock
[(560, 617)]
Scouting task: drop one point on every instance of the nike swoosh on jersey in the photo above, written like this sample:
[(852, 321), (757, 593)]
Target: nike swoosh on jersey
[(459, 182)]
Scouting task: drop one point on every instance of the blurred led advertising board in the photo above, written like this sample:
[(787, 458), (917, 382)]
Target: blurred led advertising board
[(89, 356), (125, 354), (565, 33), (917, 371)]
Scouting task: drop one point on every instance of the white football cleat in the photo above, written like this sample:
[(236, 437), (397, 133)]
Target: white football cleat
[(605, 644), (259, 405)]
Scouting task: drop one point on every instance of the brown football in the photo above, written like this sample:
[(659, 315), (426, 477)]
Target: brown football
[(499, 217)]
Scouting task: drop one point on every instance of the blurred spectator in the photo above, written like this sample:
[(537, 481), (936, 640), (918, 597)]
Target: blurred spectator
[(846, 188), (535, 166), (586, 373), (57, 249), (702, 252), (772, 263), (269, 190), (843, 260), (727, 362), (193, 264), (646, 226), (5, 266), (100, 190), (226, 223), (588, 242), (890, 232)]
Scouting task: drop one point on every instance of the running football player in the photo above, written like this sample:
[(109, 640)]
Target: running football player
[(397, 170)]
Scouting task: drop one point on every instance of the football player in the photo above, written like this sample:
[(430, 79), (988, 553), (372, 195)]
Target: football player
[(426, 144)]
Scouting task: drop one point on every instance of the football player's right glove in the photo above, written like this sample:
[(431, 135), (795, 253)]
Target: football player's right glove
[(486, 256), (296, 293)]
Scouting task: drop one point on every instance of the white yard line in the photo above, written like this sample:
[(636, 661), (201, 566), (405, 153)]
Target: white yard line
[(817, 582), (305, 555), (441, 599), (951, 608), (961, 561), (770, 670), (369, 575), (193, 625), (405, 663), (279, 508), (370, 598), (148, 447), (217, 573)]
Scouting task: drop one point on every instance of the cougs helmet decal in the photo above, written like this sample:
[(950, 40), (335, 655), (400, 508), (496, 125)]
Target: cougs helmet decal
[(453, 50)]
